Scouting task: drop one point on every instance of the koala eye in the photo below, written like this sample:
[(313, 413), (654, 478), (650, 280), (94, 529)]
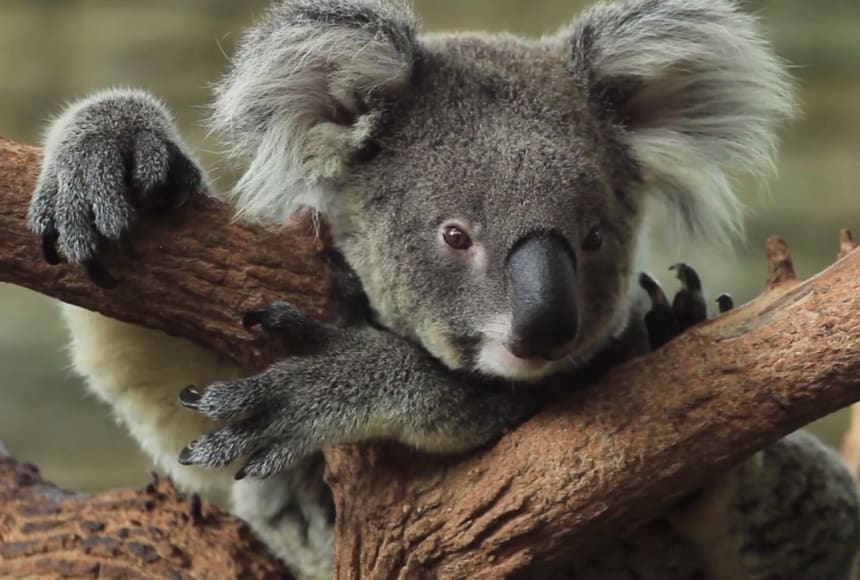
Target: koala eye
[(594, 240), (457, 238)]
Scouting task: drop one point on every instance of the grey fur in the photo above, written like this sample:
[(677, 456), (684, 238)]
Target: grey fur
[(343, 106), (293, 513), (305, 93), (364, 370), (699, 93), (796, 519), (82, 194)]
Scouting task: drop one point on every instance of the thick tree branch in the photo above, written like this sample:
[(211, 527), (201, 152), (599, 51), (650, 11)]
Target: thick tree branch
[(851, 444), (575, 475), (46, 533), (199, 270)]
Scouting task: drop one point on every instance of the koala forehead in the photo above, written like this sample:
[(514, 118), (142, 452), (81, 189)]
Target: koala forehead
[(497, 132)]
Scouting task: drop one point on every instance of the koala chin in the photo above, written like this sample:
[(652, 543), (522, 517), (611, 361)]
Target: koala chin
[(490, 198)]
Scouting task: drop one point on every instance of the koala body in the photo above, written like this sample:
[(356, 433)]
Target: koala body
[(494, 196)]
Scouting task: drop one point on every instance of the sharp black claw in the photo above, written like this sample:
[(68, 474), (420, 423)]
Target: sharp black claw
[(190, 397), (254, 318), (687, 275), (653, 288), (183, 178), (725, 302), (49, 248), (185, 456), (99, 275), (689, 303), (242, 473), (195, 509), (659, 321)]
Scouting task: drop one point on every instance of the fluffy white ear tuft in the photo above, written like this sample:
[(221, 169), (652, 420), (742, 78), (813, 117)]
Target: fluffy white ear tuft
[(306, 93), (698, 92)]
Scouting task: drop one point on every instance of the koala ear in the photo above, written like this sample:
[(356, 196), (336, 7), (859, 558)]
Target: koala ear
[(698, 94), (306, 92)]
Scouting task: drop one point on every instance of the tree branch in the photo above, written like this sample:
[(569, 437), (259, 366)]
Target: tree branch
[(199, 271), (47, 533), (851, 443), (575, 475)]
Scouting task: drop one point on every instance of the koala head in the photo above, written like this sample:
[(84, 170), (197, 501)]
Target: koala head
[(494, 193)]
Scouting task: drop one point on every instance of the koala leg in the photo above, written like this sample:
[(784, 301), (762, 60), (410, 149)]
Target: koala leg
[(791, 512), (293, 513), (797, 513)]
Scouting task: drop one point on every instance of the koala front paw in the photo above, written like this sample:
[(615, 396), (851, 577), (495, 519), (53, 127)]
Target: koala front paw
[(103, 158), (665, 321), (264, 426), (288, 320)]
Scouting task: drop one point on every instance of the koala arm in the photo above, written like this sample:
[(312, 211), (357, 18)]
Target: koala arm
[(358, 383), (107, 158)]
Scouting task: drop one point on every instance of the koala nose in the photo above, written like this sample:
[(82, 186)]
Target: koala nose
[(542, 280)]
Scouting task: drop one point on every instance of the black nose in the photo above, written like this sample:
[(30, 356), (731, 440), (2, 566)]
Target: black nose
[(542, 278)]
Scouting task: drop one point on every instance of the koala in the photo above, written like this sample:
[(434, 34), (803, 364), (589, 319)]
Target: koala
[(491, 199)]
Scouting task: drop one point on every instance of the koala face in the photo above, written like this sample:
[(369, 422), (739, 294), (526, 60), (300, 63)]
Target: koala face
[(491, 224), (492, 192)]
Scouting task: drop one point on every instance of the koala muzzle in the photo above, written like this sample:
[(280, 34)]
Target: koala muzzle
[(542, 281)]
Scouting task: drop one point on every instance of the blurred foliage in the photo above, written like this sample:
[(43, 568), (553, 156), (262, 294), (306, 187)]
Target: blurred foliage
[(52, 51)]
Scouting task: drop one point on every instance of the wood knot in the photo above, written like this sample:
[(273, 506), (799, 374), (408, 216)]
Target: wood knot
[(846, 243), (780, 264)]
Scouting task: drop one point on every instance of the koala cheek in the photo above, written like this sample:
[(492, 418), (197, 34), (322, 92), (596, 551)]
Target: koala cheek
[(438, 339), (601, 304)]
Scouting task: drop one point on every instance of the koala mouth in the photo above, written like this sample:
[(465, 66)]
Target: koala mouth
[(494, 359), (540, 331)]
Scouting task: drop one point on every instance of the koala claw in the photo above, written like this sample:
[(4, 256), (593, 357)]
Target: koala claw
[(660, 320), (49, 247), (689, 303), (283, 317), (190, 397), (266, 438), (230, 400), (185, 455), (267, 416), (664, 321), (259, 318), (105, 159), (725, 302)]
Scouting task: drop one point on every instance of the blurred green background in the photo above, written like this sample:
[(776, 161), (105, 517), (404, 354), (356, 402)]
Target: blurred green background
[(52, 51)]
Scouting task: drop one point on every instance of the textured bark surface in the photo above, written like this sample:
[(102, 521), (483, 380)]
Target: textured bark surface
[(198, 271), (615, 454), (851, 444), (156, 532)]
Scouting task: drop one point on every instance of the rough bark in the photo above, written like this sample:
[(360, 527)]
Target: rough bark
[(615, 453), (197, 271), (851, 443), (46, 533)]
